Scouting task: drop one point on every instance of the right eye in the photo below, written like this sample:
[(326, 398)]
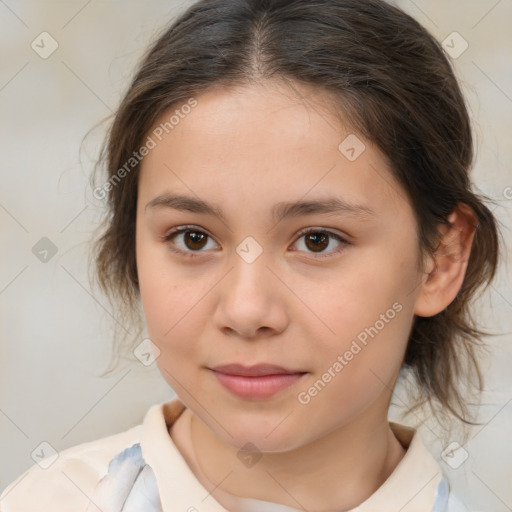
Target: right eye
[(189, 240)]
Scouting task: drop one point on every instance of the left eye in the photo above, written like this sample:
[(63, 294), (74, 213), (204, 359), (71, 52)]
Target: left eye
[(317, 240)]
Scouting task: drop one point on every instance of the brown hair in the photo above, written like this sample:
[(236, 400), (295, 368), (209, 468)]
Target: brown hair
[(392, 79)]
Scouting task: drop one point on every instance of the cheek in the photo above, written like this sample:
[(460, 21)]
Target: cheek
[(370, 310), (172, 311), (357, 296), (168, 299), (360, 363)]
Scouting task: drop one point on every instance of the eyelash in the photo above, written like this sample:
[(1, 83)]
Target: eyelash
[(195, 254)]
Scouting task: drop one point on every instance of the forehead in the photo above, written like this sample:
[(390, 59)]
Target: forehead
[(271, 142)]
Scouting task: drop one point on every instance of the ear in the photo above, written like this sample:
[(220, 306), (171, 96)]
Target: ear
[(445, 270)]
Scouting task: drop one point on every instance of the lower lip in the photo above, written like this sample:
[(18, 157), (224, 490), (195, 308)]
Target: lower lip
[(257, 387)]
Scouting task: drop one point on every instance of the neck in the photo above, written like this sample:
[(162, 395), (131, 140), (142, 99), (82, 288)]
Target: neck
[(336, 472)]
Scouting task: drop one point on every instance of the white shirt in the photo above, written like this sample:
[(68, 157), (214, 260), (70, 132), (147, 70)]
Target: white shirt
[(142, 469)]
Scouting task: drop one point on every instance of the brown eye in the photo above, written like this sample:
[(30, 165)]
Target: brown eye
[(188, 242), (317, 241), (195, 240)]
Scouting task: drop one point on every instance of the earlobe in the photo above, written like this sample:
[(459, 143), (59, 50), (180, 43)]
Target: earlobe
[(445, 270)]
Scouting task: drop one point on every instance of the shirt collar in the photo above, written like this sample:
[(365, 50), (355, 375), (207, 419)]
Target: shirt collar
[(412, 487)]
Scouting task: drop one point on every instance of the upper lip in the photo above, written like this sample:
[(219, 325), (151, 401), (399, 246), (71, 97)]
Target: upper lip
[(256, 370)]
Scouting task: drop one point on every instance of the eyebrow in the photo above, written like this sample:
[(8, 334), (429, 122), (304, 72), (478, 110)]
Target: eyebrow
[(280, 211)]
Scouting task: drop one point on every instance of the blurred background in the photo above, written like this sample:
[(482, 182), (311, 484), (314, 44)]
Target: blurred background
[(63, 68)]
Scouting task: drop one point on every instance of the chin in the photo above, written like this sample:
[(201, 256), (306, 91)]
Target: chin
[(267, 431)]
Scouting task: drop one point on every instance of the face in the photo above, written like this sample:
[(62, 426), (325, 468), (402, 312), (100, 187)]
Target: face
[(290, 253)]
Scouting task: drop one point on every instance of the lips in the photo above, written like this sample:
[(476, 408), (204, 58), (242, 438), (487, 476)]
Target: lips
[(257, 370), (255, 382)]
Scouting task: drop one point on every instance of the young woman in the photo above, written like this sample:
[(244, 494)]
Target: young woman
[(289, 202)]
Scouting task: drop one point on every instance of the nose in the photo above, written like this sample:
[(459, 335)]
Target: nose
[(252, 301)]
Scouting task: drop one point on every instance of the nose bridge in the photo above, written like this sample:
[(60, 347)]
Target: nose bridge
[(250, 298), (249, 274)]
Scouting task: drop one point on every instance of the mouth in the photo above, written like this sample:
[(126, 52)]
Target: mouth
[(255, 382)]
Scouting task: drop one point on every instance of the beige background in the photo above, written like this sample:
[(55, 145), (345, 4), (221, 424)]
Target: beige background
[(54, 331)]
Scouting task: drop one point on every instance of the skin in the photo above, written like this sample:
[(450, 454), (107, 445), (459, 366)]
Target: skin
[(246, 149)]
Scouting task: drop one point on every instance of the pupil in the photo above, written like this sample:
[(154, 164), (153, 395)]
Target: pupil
[(320, 241), (195, 238)]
